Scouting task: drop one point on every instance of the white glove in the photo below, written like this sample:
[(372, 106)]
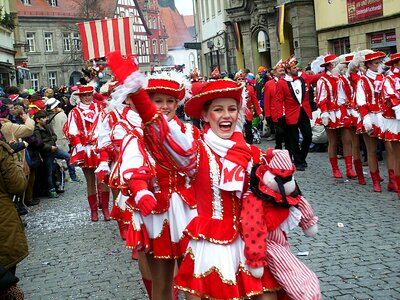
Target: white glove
[(325, 118), (311, 231), (103, 166), (367, 123), (79, 148), (397, 111), (257, 272)]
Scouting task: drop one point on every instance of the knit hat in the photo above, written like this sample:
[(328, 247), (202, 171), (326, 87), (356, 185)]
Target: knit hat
[(13, 97), (260, 69)]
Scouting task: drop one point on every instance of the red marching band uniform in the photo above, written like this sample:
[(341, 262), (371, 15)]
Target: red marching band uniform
[(79, 131), (214, 263), (160, 230)]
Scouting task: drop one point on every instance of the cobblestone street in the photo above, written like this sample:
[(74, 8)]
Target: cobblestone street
[(74, 258)]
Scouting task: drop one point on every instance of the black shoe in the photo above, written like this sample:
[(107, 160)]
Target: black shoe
[(33, 202), (305, 165), (300, 167), (20, 208)]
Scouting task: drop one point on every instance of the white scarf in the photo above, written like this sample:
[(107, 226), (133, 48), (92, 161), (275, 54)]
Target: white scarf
[(233, 158)]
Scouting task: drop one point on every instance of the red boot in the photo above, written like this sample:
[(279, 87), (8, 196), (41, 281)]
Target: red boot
[(349, 167), (123, 229), (392, 184), (148, 284), (398, 184), (335, 168), (105, 198), (376, 181), (94, 206), (359, 170), (99, 191)]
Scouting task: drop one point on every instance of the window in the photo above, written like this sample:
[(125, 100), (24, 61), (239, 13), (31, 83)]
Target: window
[(143, 46), (136, 47), (154, 46), (48, 42), (122, 14), (30, 38), (76, 41), (35, 81), (219, 6), (66, 42), (52, 79), (155, 23), (340, 46), (26, 2), (161, 46), (53, 2), (213, 9), (207, 11), (149, 22)]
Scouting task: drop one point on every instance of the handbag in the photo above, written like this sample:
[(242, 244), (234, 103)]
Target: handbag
[(7, 279)]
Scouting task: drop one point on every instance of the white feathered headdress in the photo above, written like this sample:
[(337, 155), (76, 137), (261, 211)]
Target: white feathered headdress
[(316, 64)]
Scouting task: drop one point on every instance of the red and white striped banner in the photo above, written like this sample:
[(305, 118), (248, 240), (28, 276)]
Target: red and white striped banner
[(103, 36)]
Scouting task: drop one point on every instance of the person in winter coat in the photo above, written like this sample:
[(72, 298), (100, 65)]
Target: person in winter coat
[(49, 150), (14, 246)]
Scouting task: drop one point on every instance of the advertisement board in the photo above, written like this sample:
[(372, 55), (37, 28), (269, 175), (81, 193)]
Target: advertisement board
[(359, 10)]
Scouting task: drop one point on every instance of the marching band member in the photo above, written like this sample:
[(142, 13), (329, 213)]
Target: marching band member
[(391, 123), (332, 115), (214, 264), (368, 97), (162, 199), (79, 131)]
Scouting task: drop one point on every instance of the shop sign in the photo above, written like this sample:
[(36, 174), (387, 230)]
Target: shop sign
[(377, 38), (391, 36), (358, 10)]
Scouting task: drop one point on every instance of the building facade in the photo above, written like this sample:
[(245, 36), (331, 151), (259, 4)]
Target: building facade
[(358, 24), (247, 29), (8, 72), (158, 38), (52, 44), (210, 18)]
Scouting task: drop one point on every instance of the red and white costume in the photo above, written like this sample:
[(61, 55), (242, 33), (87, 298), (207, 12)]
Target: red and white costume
[(79, 131), (327, 100), (214, 263), (268, 215), (158, 230), (391, 106), (161, 232), (347, 102), (368, 97)]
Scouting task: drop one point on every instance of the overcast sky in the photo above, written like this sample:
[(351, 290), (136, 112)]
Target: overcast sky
[(185, 7)]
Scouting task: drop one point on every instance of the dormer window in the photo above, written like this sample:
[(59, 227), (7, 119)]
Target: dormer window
[(53, 2), (26, 2)]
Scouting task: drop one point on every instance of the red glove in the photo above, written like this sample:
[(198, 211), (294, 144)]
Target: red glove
[(146, 204)]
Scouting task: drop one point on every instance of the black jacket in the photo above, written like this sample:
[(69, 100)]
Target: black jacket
[(47, 137)]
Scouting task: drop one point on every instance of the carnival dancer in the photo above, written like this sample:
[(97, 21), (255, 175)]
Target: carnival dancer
[(332, 114), (391, 122), (347, 84), (368, 97), (214, 264), (79, 131), (162, 199), (293, 108), (251, 104), (269, 105)]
